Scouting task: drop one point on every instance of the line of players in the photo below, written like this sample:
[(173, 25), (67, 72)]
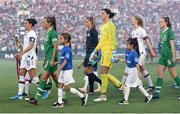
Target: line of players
[(134, 59)]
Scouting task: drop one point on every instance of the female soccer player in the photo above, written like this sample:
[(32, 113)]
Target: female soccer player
[(140, 34), (28, 57), (91, 43), (66, 72), (106, 45), (133, 72), (168, 56), (51, 56)]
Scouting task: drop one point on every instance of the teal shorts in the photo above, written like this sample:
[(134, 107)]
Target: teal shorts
[(48, 68), (167, 62)]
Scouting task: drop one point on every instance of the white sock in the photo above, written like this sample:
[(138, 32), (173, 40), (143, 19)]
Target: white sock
[(76, 92), (143, 91), (86, 81), (147, 77), (60, 95), (124, 79), (35, 80), (26, 88), (21, 85), (126, 92)]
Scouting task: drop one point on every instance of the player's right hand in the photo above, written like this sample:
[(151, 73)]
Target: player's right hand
[(152, 53)]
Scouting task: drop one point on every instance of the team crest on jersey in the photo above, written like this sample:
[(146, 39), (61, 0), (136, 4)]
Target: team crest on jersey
[(169, 62)]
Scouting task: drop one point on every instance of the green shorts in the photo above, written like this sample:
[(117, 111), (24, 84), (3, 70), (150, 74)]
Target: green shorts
[(48, 68), (167, 62)]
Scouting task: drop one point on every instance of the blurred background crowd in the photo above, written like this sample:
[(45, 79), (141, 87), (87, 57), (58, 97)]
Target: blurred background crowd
[(71, 15)]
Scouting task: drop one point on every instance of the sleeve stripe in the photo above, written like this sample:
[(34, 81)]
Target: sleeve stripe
[(31, 39)]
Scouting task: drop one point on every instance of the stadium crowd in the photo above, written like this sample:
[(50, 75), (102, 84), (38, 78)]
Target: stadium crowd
[(71, 14)]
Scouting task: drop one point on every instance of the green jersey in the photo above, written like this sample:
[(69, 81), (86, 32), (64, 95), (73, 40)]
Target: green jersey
[(50, 37), (165, 37)]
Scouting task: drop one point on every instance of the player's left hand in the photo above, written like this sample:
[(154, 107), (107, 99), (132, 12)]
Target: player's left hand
[(52, 63), (18, 56)]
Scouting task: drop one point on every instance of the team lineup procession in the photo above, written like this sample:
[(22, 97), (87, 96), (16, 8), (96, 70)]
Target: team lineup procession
[(65, 56)]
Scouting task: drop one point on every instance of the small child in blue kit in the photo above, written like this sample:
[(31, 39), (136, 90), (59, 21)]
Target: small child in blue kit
[(133, 72), (66, 72)]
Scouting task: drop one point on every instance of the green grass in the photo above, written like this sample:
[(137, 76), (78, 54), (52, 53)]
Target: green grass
[(8, 87)]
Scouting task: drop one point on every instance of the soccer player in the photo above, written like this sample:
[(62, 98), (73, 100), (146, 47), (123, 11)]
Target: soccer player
[(133, 72), (28, 57), (91, 43), (51, 56), (140, 34), (106, 45), (66, 72), (168, 56)]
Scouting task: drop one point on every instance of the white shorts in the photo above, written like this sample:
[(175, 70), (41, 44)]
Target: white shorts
[(132, 79), (142, 59), (28, 63), (66, 77)]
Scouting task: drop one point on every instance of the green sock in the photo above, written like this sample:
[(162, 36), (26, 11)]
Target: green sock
[(158, 86), (177, 79), (40, 90)]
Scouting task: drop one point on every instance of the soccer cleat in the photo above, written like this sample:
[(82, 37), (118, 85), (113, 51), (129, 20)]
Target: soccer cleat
[(57, 105), (84, 99), (123, 102), (46, 94), (16, 97), (149, 89), (32, 101), (25, 95), (156, 96), (174, 85), (148, 99), (101, 98)]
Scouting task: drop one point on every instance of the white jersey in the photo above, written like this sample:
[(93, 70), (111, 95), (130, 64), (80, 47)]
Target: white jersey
[(30, 37), (140, 34)]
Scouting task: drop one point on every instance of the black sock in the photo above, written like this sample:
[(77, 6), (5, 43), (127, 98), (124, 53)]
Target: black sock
[(91, 83), (92, 78)]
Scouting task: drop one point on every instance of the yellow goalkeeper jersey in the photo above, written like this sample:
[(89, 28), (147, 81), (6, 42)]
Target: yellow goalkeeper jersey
[(107, 37)]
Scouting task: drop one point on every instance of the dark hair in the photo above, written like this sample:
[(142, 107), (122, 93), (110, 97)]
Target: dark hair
[(51, 20), (67, 37), (134, 42), (167, 20), (31, 21), (108, 11), (91, 19), (140, 20)]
